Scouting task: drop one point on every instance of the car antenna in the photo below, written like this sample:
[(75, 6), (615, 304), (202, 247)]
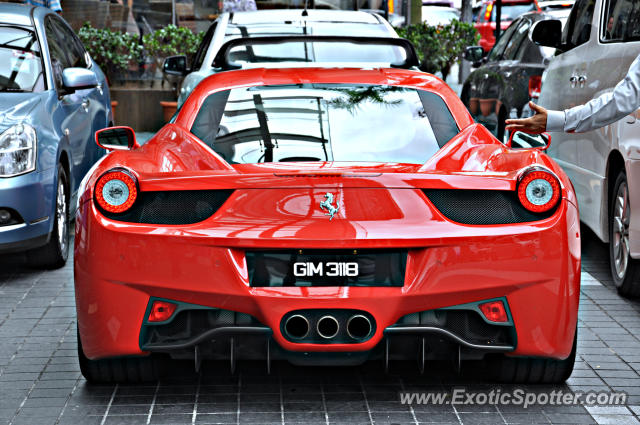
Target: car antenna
[(304, 12)]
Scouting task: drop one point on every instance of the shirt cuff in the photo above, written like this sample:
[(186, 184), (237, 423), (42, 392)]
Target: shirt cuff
[(555, 120)]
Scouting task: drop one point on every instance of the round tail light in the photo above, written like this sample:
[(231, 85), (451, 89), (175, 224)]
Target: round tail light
[(539, 191), (116, 191)]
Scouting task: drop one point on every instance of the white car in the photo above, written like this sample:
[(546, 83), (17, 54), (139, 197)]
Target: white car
[(286, 22), (439, 15), (598, 44)]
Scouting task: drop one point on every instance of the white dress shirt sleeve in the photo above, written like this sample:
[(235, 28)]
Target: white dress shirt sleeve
[(604, 109)]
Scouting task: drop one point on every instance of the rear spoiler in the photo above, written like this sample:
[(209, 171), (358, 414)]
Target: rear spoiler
[(223, 61)]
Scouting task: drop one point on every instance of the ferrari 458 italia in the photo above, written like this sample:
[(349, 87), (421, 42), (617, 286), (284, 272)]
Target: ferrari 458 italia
[(326, 216)]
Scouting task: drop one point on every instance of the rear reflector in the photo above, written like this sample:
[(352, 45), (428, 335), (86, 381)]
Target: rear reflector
[(535, 86), (494, 311), (161, 311)]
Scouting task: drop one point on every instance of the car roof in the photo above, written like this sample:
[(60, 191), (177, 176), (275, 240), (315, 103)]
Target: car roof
[(282, 15), (15, 14)]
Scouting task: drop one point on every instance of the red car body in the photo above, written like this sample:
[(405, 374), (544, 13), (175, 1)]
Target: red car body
[(120, 266), (486, 22)]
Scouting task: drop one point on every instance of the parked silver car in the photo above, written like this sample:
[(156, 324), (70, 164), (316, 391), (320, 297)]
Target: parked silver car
[(599, 42), (264, 23)]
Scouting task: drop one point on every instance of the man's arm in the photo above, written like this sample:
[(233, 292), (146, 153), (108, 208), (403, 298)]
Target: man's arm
[(605, 109)]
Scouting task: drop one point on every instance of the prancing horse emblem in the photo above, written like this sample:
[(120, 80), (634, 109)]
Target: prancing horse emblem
[(326, 205)]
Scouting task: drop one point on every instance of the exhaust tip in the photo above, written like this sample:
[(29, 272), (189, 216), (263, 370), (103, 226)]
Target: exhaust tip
[(297, 326), (358, 326), (328, 327)]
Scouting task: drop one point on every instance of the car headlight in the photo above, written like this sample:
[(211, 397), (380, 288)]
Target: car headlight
[(17, 150)]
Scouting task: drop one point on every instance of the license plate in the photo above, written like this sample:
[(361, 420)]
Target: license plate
[(326, 267)]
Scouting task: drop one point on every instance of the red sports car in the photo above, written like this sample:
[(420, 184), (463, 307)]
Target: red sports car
[(326, 216)]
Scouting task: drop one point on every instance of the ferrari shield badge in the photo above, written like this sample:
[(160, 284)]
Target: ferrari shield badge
[(327, 205)]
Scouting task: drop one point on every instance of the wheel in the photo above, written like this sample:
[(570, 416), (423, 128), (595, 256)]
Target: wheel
[(624, 270), (532, 370), (55, 253), (119, 370)]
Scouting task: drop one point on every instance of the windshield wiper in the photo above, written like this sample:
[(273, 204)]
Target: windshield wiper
[(12, 90)]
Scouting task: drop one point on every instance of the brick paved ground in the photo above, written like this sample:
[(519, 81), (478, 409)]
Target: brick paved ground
[(40, 382)]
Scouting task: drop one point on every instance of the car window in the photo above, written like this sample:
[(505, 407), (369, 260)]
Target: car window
[(324, 122), (633, 28), (198, 58), (620, 21), (497, 50), (509, 12), (517, 39), (74, 49), (20, 60), (59, 60), (579, 24)]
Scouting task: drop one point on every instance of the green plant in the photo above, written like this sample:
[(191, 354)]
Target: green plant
[(113, 51), (172, 40), (439, 47)]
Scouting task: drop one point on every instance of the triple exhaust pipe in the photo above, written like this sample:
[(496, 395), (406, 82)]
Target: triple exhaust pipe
[(358, 327)]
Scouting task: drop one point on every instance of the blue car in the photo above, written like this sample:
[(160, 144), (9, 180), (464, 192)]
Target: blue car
[(53, 97)]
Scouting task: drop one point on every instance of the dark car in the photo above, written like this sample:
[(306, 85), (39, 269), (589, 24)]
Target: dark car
[(508, 77)]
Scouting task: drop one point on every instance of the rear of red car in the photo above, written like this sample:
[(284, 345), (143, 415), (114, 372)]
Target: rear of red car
[(486, 20), (251, 230)]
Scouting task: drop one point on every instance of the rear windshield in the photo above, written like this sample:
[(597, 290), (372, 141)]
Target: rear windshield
[(509, 11), (324, 122)]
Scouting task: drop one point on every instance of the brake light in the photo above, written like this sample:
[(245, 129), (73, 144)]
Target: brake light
[(161, 311), (535, 86), (487, 13), (494, 311), (538, 191), (116, 190)]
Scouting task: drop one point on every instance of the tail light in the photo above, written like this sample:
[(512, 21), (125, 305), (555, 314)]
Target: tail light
[(487, 13), (538, 190), (161, 311), (390, 6), (535, 86), (494, 311), (116, 190)]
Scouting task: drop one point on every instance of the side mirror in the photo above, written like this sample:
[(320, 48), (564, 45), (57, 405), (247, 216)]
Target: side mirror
[(78, 79), (473, 54), (522, 140), (175, 66), (547, 33), (117, 138)]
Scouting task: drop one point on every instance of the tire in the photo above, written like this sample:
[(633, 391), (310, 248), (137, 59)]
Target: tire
[(55, 253), (119, 370), (625, 271), (532, 370)]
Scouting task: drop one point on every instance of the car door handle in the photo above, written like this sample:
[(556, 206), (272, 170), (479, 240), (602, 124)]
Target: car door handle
[(573, 81), (582, 80), (85, 104)]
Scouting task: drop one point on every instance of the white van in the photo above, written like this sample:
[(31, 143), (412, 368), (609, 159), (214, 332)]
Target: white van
[(599, 42)]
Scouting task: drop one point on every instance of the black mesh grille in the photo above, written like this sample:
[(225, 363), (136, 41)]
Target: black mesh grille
[(466, 324), (482, 206), (191, 323), (175, 207)]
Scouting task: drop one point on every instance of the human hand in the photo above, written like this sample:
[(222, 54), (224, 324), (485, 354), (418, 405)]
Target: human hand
[(535, 124)]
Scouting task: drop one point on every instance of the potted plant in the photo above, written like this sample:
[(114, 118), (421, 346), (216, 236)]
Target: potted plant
[(170, 41), (439, 47)]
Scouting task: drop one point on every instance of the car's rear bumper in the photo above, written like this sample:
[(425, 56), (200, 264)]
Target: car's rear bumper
[(535, 267), (31, 197)]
